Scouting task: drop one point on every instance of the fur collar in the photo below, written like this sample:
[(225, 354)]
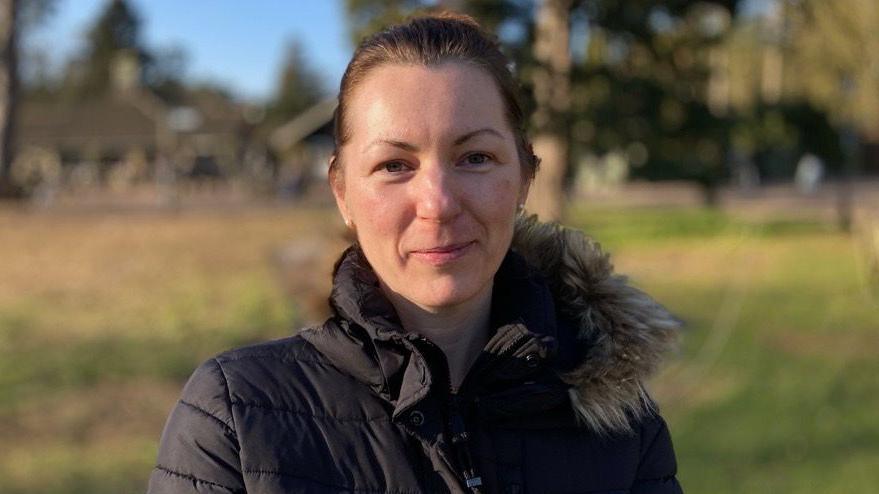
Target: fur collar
[(626, 332)]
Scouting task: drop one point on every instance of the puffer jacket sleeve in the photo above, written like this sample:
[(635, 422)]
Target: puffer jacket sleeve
[(658, 468), (199, 451)]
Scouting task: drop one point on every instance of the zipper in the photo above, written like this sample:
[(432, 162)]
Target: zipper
[(457, 427), (460, 439)]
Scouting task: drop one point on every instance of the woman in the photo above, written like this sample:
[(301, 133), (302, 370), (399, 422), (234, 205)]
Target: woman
[(470, 350)]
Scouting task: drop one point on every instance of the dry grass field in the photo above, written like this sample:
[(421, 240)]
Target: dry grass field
[(104, 315)]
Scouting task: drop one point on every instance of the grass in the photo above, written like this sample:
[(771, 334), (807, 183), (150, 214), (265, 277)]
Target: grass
[(775, 387), (103, 316)]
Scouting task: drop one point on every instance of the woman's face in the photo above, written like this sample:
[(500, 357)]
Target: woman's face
[(431, 180)]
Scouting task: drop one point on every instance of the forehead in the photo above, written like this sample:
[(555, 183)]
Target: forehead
[(423, 103)]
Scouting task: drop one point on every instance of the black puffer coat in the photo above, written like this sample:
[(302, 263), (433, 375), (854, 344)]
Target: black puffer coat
[(553, 404)]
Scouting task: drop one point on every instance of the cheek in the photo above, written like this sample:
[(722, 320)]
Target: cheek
[(369, 212), (377, 216), (499, 198)]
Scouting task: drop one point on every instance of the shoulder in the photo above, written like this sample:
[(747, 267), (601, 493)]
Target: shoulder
[(285, 375), (261, 366), (658, 465), (291, 351), (224, 379), (233, 367)]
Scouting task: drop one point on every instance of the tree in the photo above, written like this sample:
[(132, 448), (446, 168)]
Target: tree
[(552, 82), (8, 86), (15, 17), (163, 73), (115, 35), (368, 16), (116, 30), (833, 48), (299, 87)]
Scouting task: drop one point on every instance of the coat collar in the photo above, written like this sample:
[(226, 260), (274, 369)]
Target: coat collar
[(555, 297), (403, 366)]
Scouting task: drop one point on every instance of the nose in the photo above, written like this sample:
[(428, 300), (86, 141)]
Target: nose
[(436, 193)]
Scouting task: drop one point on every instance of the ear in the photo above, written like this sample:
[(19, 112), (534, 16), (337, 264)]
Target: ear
[(337, 184)]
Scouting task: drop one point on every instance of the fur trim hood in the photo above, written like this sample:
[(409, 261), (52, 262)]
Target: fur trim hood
[(625, 332)]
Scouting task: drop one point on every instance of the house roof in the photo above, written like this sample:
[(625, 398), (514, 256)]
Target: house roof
[(303, 125), (118, 122), (106, 122)]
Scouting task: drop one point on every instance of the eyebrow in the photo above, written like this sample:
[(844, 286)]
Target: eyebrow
[(469, 135), (457, 142)]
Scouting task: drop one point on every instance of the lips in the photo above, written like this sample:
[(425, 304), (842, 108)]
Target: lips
[(443, 254)]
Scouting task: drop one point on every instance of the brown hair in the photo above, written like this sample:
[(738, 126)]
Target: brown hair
[(430, 40)]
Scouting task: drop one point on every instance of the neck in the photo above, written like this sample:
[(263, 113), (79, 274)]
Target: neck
[(460, 331)]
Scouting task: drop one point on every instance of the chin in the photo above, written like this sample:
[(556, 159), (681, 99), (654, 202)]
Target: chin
[(446, 293)]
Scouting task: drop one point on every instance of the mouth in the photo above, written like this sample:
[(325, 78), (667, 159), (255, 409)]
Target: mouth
[(443, 254)]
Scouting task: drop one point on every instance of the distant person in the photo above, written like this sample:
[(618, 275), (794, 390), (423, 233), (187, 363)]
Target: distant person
[(471, 349), (745, 172), (810, 172)]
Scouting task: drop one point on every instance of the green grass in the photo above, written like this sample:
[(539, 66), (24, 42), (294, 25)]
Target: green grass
[(102, 318), (775, 389)]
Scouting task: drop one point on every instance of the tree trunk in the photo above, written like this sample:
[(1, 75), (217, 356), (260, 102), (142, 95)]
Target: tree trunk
[(8, 87), (552, 95)]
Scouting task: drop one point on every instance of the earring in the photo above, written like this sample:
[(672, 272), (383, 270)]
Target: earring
[(520, 209), (349, 223)]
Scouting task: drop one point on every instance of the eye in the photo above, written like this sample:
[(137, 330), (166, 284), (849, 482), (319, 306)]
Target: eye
[(476, 159), (393, 167)]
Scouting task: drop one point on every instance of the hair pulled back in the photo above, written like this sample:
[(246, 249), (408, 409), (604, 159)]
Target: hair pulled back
[(431, 40)]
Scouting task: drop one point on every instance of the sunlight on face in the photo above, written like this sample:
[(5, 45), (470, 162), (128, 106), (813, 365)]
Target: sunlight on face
[(431, 180)]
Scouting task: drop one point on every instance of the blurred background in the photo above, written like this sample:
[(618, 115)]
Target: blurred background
[(162, 169)]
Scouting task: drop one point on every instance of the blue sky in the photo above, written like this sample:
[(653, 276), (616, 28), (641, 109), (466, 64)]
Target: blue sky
[(238, 43)]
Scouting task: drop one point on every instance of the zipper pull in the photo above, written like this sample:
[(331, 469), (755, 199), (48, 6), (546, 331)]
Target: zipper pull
[(460, 437)]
